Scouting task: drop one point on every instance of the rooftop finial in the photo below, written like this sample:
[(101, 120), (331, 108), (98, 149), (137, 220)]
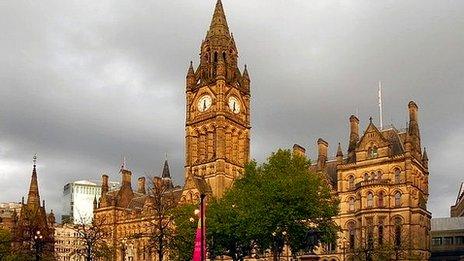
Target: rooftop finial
[(123, 164), (34, 159)]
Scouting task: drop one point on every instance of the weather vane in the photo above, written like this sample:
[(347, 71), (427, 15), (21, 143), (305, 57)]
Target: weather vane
[(34, 159)]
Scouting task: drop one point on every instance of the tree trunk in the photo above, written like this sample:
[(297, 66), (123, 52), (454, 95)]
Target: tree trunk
[(89, 252), (276, 258)]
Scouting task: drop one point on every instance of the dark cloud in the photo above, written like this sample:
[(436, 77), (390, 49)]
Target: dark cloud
[(86, 82)]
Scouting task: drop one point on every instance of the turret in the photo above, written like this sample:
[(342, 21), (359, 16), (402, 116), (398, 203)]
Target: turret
[(190, 79), (299, 150), (339, 154), (141, 185), (322, 146), (246, 79), (425, 159)]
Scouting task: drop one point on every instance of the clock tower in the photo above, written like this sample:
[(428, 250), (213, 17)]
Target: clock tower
[(217, 128)]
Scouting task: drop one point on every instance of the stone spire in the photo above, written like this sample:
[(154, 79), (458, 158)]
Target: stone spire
[(339, 150), (218, 25), (33, 198), (339, 154), (166, 173), (218, 55)]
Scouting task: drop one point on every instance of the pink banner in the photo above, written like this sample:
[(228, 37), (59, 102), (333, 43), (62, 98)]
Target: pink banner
[(197, 250)]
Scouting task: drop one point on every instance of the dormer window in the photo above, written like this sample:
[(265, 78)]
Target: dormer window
[(372, 152)]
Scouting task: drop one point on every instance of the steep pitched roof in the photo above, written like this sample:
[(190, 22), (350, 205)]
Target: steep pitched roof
[(166, 172), (33, 198), (218, 25)]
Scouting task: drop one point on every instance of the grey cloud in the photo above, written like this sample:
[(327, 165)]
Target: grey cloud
[(85, 82)]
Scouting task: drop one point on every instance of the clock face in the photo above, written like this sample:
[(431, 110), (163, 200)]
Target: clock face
[(234, 105), (204, 103)]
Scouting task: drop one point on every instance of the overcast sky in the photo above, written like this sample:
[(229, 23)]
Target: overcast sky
[(84, 82)]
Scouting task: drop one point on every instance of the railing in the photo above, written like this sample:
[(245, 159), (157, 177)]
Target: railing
[(372, 182)]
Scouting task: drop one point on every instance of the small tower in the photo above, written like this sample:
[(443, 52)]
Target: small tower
[(339, 154)]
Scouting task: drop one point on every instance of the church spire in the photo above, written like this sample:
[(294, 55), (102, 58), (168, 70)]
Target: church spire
[(218, 25), (33, 198), (166, 173)]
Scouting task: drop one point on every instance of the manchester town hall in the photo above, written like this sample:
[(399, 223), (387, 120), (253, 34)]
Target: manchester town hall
[(381, 179)]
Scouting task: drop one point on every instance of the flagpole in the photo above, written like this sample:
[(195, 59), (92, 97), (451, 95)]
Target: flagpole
[(380, 105)]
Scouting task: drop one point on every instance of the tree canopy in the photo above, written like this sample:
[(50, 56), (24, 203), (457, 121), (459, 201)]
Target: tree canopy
[(277, 203)]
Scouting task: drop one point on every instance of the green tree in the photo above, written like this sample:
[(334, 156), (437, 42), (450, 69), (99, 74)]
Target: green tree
[(277, 203), (5, 243), (183, 241)]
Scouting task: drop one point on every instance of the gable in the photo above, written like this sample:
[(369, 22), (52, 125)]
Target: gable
[(372, 137)]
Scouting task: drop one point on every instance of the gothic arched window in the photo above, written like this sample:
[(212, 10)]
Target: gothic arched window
[(397, 199), (397, 232), (380, 234), (352, 234), (380, 200), (351, 182), (351, 204), (397, 175), (370, 200)]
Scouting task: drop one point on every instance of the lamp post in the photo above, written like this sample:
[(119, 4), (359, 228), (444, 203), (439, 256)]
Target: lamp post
[(38, 244), (202, 225), (284, 233)]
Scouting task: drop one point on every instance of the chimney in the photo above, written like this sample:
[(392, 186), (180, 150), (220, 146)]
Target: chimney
[(354, 133), (126, 178), (298, 150), (412, 106), (414, 127), (141, 185), (105, 187), (322, 146)]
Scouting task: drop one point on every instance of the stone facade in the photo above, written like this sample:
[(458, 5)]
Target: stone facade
[(382, 184), (127, 216), (9, 213)]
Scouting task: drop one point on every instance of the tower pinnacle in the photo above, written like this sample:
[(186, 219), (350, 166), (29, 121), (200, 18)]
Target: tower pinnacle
[(33, 198), (218, 25)]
